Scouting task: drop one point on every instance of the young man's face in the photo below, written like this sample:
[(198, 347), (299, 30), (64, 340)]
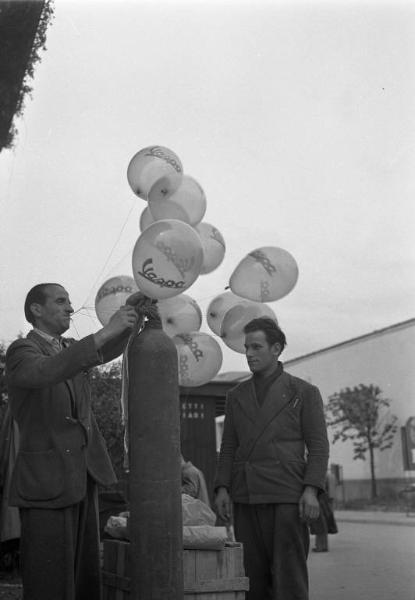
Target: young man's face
[(261, 355), (54, 316)]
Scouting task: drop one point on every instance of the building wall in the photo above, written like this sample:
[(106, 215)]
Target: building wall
[(385, 358)]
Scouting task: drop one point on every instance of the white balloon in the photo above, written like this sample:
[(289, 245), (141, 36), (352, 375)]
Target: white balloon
[(213, 246), (185, 202), (146, 219), (237, 317), (218, 307), (164, 187), (180, 314), (148, 165), (265, 274), (199, 356), (167, 259), (112, 295)]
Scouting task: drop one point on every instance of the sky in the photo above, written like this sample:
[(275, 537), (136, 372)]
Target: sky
[(296, 118)]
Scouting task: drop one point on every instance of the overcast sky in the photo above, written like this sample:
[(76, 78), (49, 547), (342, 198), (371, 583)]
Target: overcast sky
[(296, 118)]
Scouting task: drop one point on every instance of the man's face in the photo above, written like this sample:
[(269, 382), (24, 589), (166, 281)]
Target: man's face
[(53, 317), (261, 355)]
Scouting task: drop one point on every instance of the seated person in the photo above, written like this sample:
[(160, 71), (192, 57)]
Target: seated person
[(193, 482)]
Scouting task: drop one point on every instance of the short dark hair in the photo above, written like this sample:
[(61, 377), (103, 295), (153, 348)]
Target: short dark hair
[(273, 332), (37, 295)]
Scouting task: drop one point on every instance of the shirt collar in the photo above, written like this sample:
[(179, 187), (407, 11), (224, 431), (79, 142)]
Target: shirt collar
[(56, 342)]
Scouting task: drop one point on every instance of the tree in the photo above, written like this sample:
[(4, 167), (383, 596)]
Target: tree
[(106, 394), (23, 28), (360, 414), (3, 389)]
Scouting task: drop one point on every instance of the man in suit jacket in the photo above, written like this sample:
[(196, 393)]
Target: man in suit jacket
[(272, 463), (62, 455)]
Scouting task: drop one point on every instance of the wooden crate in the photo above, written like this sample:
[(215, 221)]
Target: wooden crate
[(208, 574)]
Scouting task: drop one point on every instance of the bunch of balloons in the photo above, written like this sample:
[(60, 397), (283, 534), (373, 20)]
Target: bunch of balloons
[(174, 248)]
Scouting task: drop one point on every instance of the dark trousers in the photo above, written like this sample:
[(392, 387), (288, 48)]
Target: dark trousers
[(60, 551), (276, 544)]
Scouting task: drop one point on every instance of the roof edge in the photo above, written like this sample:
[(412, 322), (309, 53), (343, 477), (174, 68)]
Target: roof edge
[(402, 324)]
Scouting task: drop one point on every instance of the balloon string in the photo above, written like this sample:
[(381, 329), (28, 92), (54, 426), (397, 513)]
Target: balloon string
[(110, 254), (76, 329)]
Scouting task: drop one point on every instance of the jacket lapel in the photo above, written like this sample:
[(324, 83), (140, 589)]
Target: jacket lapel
[(247, 400), (43, 344), (279, 395), (49, 350)]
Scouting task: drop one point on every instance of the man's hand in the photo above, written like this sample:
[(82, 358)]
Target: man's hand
[(143, 305), (222, 504), (137, 299), (308, 504), (125, 318)]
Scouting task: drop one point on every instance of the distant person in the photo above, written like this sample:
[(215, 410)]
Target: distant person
[(9, 515), (62, 455), (271, 422), (193, 482)]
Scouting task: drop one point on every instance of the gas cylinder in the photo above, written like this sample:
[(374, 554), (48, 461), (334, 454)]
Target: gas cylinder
[(155, 522)]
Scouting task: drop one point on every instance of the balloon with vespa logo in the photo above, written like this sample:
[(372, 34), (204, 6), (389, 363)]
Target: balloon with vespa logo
[(265, 274), (180, 314), (218, 307), (185, 201), (112, 295), (146, 219), (213, 246), (232, 328), (167, 259), (148, 165), (199, 356)]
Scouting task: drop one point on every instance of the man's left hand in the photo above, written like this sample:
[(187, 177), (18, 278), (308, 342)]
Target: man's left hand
[(137, 299), (308, 504)]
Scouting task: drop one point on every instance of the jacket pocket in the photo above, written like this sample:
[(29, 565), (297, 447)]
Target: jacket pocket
[(39, 475)]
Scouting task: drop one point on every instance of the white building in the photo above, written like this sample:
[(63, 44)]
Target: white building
[(385, 358)]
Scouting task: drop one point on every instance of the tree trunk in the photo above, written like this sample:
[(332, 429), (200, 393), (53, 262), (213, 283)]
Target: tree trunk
[(374, 493)]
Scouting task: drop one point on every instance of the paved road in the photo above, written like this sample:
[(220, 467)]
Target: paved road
[(366, 561)]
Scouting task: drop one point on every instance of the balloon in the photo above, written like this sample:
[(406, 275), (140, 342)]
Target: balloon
[(148, 165), (164, 187), (265, 274), (185, 202), (146, 219), (235, 320), (112, 295), (200, 358), (167, 259), (180, 314), (213, 246), (218, 307)]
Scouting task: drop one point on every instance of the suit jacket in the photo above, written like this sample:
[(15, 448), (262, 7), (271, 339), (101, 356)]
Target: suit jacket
[(270, 452), (50, 399)]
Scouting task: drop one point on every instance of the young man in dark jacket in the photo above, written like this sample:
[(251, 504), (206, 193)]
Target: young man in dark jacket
[(273, 461)]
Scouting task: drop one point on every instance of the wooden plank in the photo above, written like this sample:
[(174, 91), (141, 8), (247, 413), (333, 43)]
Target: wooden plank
[(220, 585), (120, 569), (116, 581), (189, 567), (206, 564)]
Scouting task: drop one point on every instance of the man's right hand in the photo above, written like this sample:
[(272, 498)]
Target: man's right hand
[(222, 504), (125, 318)]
